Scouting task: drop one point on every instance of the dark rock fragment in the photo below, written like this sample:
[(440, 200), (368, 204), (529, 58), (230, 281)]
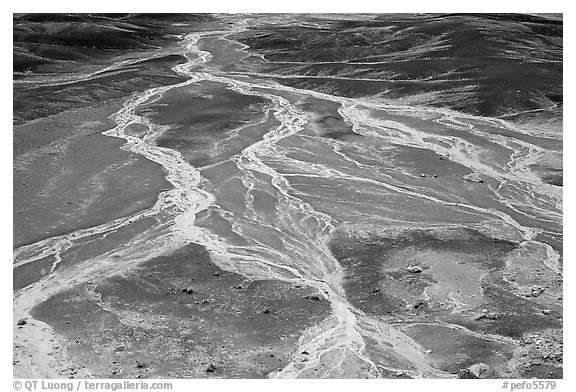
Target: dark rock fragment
[(419, 304)]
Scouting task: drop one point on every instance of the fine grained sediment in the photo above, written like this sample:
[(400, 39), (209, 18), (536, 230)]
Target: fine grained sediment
[(455, 291), (174, 316)]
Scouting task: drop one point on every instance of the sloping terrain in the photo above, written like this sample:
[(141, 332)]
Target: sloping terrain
[(288, 196)]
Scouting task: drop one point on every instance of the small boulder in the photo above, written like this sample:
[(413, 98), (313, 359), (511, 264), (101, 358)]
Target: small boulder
[(22, 321), (414, 269), (537, 290), (481, 370), (211, 368), (473, 177)]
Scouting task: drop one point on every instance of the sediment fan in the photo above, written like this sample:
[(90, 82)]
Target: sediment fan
[(288, 196)]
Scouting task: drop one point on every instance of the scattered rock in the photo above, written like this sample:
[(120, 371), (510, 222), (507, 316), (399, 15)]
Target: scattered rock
[(414, 269), (465, 374), (313, 297), (211, 368), (22, 321), (305, 353)]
